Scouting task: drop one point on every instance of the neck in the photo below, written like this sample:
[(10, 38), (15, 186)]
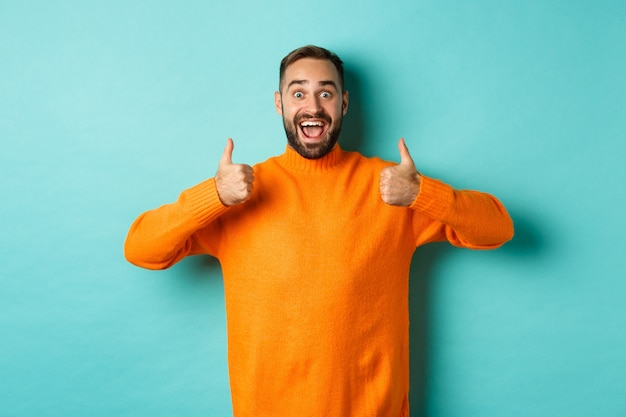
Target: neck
[(293, 160)]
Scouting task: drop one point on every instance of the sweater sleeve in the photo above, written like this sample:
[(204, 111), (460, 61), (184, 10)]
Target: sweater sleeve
[(465, 218), (159, 238)]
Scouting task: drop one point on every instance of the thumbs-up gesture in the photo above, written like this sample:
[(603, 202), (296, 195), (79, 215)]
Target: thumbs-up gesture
[(233, 181), (400, 184)]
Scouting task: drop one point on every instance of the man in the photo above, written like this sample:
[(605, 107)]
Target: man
[(315, 247)]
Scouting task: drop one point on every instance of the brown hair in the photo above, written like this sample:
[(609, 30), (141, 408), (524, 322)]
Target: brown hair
[(311, 51)]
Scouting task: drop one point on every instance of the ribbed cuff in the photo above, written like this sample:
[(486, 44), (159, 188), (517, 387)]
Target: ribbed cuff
[(203, 202), (435, 198)]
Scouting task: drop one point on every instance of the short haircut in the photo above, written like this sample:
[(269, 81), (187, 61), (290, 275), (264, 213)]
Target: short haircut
[(311, 51)]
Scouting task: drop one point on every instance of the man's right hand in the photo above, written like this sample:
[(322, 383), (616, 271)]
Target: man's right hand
[(233, 181)]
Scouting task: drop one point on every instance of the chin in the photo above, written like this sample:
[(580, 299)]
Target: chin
[(312, 150)]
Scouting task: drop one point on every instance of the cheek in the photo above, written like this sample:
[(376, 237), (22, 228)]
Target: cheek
[(336, 111), (289, 111)]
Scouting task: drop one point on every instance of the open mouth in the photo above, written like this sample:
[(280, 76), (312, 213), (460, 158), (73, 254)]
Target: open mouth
[(313, 129)]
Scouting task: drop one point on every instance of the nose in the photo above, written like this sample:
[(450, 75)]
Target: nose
[(313, 104)]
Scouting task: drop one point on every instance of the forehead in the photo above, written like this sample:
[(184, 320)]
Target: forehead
[(311, 70)]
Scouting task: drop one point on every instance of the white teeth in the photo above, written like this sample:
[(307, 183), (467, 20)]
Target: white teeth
[(305, 124)]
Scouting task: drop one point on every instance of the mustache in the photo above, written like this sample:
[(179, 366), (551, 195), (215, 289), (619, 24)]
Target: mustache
[(317, 115)]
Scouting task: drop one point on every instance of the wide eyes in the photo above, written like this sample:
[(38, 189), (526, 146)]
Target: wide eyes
[(323, 94)]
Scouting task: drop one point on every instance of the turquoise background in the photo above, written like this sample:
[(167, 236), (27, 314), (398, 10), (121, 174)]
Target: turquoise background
[(109, 109)]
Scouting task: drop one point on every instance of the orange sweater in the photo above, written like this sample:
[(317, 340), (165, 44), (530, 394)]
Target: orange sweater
[(316, 278)]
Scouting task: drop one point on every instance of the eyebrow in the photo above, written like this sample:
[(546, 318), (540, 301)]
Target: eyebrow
[(321, 83)]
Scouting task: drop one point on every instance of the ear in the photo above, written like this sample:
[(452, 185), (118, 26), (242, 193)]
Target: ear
[(345, 103), (278, 103)]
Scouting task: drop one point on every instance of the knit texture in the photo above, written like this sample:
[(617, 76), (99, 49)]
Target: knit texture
[(316, 272)]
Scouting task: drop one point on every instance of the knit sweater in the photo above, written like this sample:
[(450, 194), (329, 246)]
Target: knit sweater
[(315, 270)]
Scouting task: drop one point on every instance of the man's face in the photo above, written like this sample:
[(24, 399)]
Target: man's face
[(312, 106)]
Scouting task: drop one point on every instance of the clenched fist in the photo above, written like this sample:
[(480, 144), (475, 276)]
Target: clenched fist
[(233, 181), (400, 184)]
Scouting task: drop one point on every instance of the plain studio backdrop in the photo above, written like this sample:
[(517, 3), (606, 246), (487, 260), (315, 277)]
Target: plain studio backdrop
[(109, 109)]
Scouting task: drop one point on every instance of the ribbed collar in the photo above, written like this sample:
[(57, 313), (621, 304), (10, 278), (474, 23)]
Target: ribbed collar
[(294, 161)]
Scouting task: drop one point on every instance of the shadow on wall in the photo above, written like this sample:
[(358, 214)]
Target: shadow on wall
[(527, 242), (353, 135), (529, 239), (424, 260)]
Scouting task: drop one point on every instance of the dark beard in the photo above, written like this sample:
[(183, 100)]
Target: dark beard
[(312, 151)]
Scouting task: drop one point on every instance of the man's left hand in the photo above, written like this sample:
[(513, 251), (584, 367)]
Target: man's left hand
[(400, 184)]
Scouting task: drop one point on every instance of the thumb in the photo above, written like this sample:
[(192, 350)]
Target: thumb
[(227, 156), (405, 156)]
